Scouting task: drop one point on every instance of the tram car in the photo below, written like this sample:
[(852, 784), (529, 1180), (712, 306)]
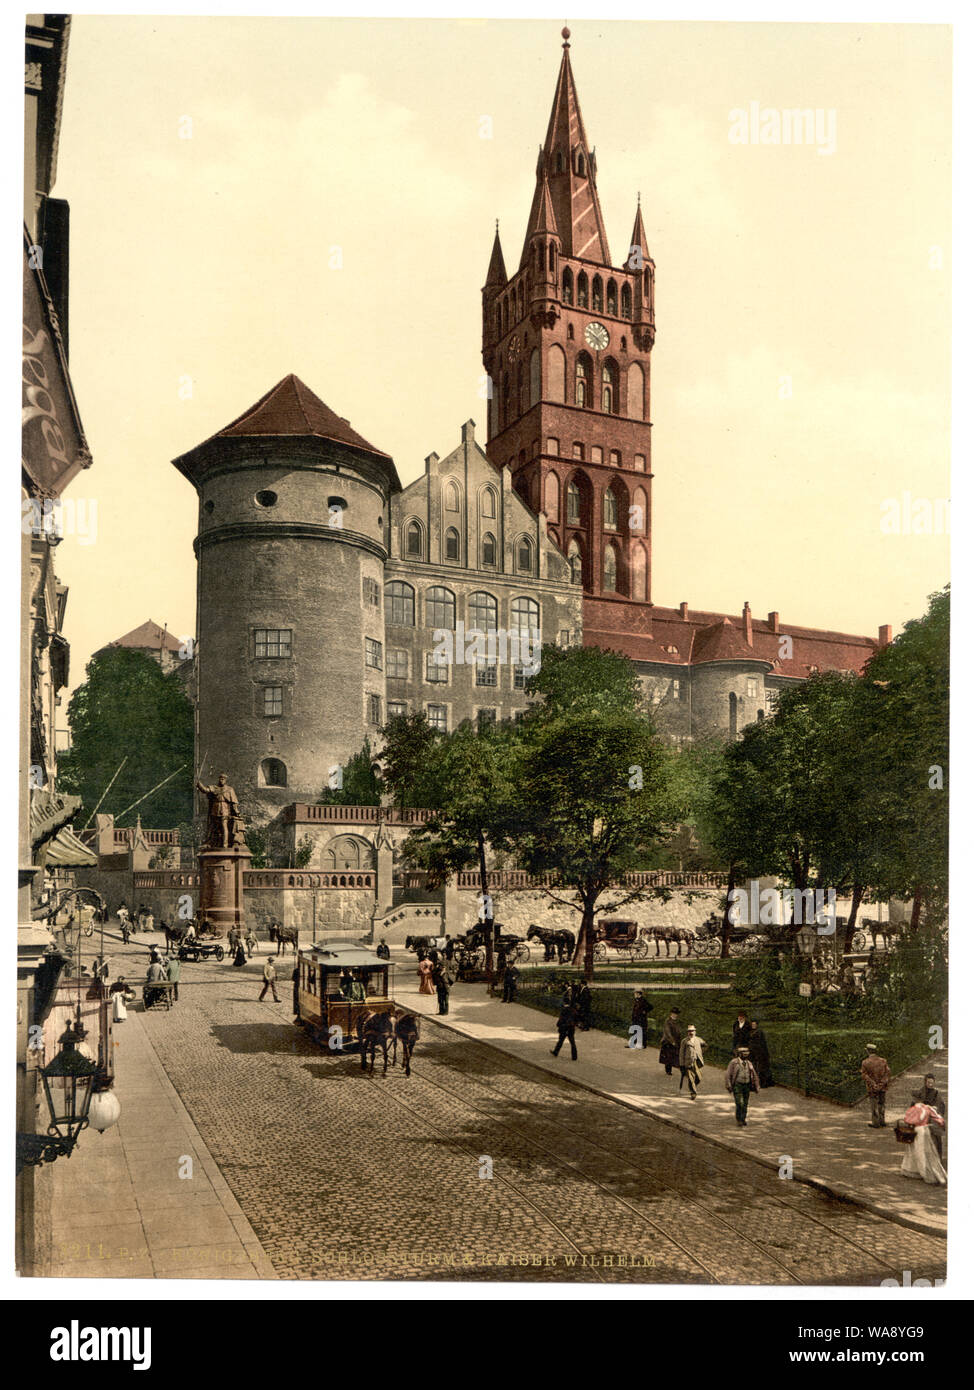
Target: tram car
[(325, 991)]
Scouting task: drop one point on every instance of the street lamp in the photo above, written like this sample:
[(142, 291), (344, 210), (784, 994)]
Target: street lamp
[(68, 1082), (807, 938)]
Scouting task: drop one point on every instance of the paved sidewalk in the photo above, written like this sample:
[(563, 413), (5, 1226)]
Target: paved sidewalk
[(121, 1210), (830, 1146)]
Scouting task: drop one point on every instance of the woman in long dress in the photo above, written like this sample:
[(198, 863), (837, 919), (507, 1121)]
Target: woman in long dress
[(425, 973), (921, 1159)]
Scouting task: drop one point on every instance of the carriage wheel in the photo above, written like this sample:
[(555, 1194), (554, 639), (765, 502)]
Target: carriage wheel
[(523, 952), (641, 949), (219, 953), (859, 941), (601, 951), (711, 947)]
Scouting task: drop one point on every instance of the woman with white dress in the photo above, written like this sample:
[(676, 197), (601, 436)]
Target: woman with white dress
[(921, 1159)]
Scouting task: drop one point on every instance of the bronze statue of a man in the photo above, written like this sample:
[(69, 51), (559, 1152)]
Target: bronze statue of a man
[(224, 814)]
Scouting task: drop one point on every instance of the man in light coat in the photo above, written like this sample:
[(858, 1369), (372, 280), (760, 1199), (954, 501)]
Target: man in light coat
[(691, 1061), (740, 1079)]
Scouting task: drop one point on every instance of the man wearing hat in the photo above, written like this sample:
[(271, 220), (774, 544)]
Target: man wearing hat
[(741, 1079), (876, 1074)]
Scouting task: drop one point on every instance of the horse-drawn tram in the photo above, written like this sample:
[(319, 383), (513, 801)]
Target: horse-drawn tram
[(338, 984)]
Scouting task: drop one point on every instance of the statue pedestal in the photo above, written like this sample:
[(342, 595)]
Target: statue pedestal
[(222, 886)]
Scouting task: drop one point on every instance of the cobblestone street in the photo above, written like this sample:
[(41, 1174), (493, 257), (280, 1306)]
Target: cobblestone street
[(345, 1175)]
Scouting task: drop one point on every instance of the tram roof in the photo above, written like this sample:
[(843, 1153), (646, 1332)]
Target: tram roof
[(342, 955)]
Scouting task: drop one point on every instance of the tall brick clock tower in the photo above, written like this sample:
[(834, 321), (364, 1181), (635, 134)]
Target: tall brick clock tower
[(566, 345)]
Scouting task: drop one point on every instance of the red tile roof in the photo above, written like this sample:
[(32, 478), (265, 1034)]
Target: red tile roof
[(291, 408), (149, 637)]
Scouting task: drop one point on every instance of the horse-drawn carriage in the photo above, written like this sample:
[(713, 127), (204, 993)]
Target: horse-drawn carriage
[(194, 941), (618, 934), (558, 943), (742, 941), (342, 999)]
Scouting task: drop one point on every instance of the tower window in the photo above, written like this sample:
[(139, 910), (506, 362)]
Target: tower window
[(525, 556), (571, 332), (612, 299), (610, 387), (639, 463), (452, 544), (397, 664), (273, 702), (373, 653), (400, 604), (273, 773), (583, 380), (582, 290), (414, 539), (578, 450), (567, 289), (573, 503), (488, 551), (610, 511), (441, 608), (266, 498), (580, 165), (551, 495), (732, 713), (575, 561), (752, 686), (609, 570), (626, 302), (553, 446), (375, 709), (436, 717), (615, 458), (597, 303), (596, 453), (272, 643), (371, 592)]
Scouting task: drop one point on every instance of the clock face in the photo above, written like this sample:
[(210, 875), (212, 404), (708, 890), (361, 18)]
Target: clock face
[(597, 337), (514, 349)]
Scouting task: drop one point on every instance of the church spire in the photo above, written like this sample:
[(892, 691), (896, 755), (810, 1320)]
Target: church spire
[(570, 168), (496, 272), (638, 238)]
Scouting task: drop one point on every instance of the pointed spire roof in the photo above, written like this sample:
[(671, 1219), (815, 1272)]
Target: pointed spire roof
[(291, 408), (542, 219), (638, 237), (496, 271), (574, 197)]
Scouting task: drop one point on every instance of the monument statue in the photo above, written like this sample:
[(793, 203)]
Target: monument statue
[(224, 827)]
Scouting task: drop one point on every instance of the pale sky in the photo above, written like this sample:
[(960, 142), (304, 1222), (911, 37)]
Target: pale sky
[(778, 269)]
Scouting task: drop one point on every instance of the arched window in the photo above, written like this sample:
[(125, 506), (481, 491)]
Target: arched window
[(273, 773), (626, 302), (638, 511), (452, 544), (556, 374), (646, 284), (610, 510), (609, 568), (500, 328), (551, 496), (541, 259), (597, 301), (583, 380), (525, 555), (559, 163), (451, 496), (526, 615), (610, 387), (482, 612), (414, 540), (441, 608), (488, 502), (638, 573), (580, 164), (732, 714), (534, 373), (551, 259), (575, 560), (612, 299), (507, 318), (573, 504), (488, 551), (400, 604), (567, 289), (582, 290), (634, 391), (571, 332)]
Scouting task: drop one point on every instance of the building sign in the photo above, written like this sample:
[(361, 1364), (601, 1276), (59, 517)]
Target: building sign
[(54, 446)]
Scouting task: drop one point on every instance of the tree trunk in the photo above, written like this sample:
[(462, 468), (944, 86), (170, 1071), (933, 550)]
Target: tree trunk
[(917, 905), (725, 931), (585, 946), (857, 895), (488, 922)]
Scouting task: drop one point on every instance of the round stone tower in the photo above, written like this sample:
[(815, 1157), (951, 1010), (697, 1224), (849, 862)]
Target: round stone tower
[(291, 543)]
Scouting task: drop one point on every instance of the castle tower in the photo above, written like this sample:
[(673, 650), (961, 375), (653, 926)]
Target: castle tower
[(293, 535), (566, 346)]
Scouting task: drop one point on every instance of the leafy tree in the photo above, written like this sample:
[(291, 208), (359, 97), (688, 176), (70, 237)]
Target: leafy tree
[(360, 786), (130, 711), (409, 752), (577, 678)]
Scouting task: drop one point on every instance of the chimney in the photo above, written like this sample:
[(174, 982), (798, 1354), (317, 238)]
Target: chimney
[(748, 634), (885, 636), (684, 611), (467, 432), (431, 460), (773, 622)]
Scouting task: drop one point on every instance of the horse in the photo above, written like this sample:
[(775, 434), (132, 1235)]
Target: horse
[(424, 944), (561, 941), (284, 936), (406, 1031), (677, 934), (375, 1030)]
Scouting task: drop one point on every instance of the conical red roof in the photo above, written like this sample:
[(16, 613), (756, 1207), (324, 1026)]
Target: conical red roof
[(291, 408)]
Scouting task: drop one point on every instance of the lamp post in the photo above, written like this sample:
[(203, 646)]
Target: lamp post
[(68, 1082), (806, 938)]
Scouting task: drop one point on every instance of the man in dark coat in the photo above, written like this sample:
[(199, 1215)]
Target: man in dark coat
[(583, 1005), (511, 977), (669, 1053), (442, 989), (640, 1017), (760, 1054), (566, 1029), (742, 1030)]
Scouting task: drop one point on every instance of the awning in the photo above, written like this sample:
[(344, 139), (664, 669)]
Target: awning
[(66, 851), (49, 811)]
